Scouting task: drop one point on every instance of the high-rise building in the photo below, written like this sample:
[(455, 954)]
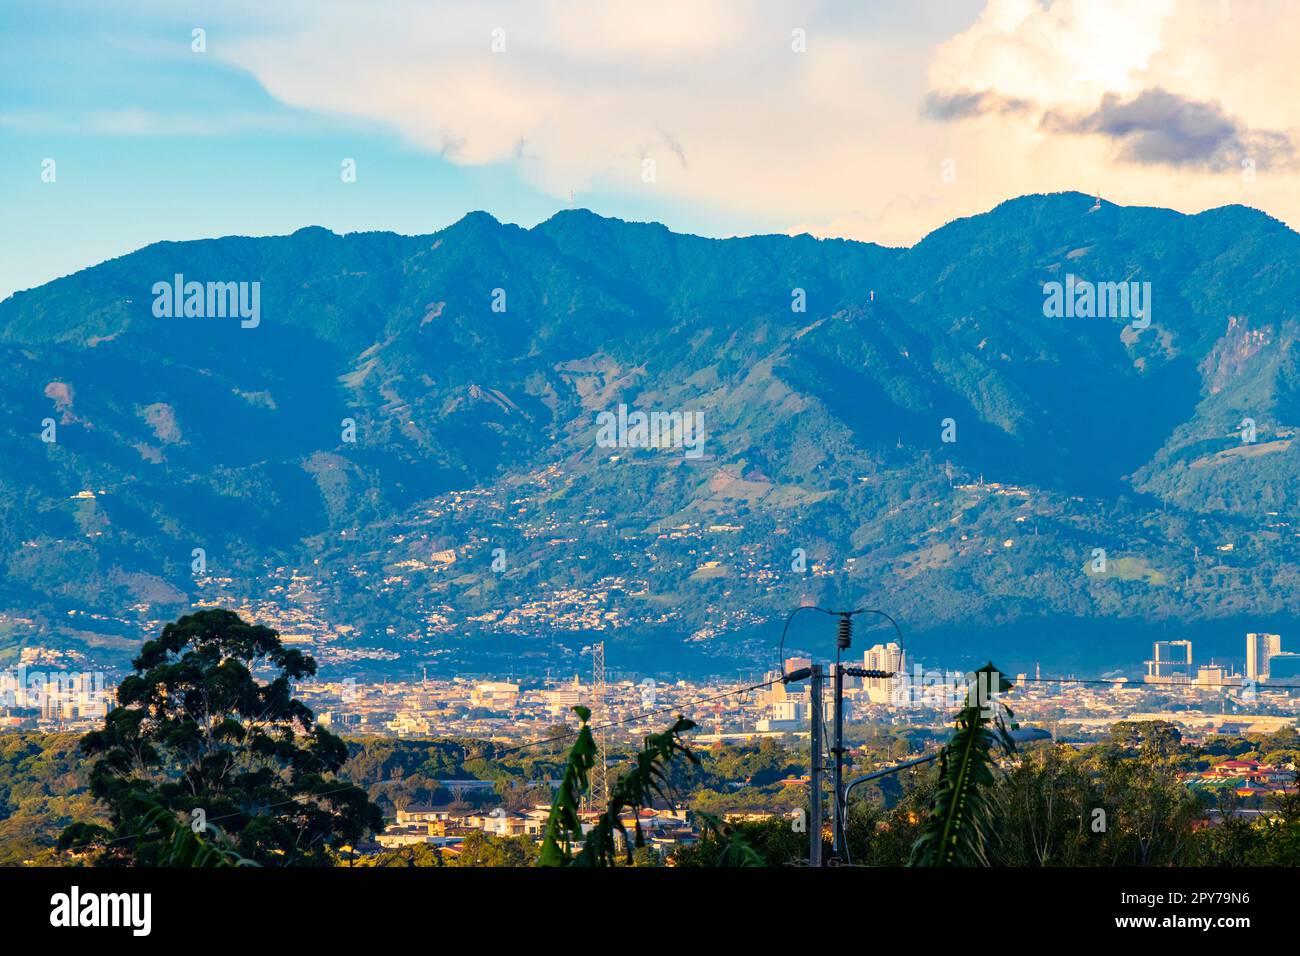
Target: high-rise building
[(882, 657), (1284, 666), (1259, 648), (781, 691), (1171, 661)]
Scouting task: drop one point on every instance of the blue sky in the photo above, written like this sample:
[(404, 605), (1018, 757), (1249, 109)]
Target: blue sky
[(218, 155), (849, 136)]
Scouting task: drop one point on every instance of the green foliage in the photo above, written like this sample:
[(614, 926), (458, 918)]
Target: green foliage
[(634, 791), (1152, 737), (411, 855), (962, 816), (43, 788), (564, 825), (1241, 835), (1099, 806), (477, 849), (486, 849), (195, 731), (884, 836), (1150, 812), (1046, 803), (182, 845), (748, 843)]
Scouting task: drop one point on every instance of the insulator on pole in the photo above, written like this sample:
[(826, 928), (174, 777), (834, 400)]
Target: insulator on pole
[(844, 636)]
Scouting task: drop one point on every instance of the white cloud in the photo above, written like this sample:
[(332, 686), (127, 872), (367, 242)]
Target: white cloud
[(831, 140), (1069, 53), (1157, 101), (584, 92)]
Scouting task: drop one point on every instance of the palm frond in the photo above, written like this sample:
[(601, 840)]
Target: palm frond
[(635, 790), (961, 821), (564, 825)]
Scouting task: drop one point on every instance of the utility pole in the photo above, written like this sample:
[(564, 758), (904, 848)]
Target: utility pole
[(815, 777), (837, 749), (843, 641)]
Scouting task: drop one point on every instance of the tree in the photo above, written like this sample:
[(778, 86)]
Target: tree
[(646, 856), (197, 735), (1150, 811), (487, 849), (1158, 738), (180, 844), (1280, 842), (411, 855), (771, 842), (1047, 812), (886, 839)]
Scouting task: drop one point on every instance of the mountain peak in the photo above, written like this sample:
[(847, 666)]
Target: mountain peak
[(306, 231), (476, 219)]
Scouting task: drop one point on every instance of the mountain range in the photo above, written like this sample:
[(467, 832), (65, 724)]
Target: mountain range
[(400, 462)]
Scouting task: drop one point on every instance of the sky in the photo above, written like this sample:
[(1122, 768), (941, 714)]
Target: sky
[(125, 124)]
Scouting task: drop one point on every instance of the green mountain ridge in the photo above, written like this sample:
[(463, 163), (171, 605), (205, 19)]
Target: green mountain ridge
[(475, 430)]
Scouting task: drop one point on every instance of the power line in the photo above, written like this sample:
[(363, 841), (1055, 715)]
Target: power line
[(1138, 683), (780, 648)]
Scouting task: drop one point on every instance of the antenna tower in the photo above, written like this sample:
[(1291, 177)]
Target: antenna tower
[(598, 798)]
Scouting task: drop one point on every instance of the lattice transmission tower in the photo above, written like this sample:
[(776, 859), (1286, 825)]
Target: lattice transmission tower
[(599, 794)]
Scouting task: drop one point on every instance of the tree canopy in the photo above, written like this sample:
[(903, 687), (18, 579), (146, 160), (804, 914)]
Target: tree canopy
[(208, 730)]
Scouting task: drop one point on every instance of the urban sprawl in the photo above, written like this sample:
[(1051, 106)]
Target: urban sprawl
[(1201, 700)]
